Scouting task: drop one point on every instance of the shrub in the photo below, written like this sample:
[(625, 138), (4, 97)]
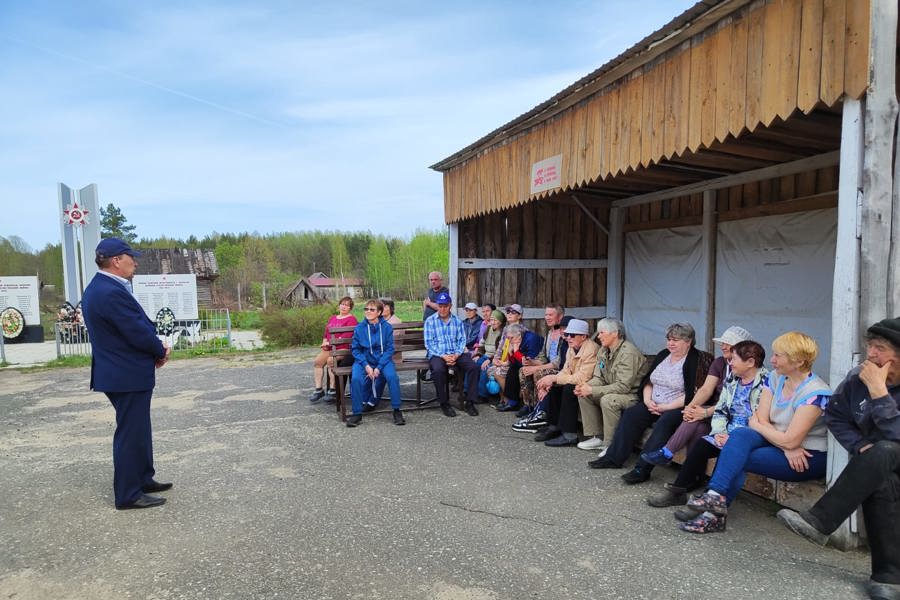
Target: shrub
[(296, 326), (245, 319)]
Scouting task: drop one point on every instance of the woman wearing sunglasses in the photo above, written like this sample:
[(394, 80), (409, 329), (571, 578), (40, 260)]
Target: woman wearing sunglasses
[(373, 364)]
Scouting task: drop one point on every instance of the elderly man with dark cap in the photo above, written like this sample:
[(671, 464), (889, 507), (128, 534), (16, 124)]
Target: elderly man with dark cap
[(125, 353), (445, 346), (864, 416)]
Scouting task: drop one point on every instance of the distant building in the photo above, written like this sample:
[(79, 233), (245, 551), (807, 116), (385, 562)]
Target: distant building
[(184, 261), (319, 287)]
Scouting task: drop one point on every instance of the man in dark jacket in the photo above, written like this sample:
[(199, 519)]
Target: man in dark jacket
[(864, 416), (125, 355)]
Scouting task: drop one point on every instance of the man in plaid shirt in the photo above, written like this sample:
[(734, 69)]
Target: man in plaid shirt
[(445, 345)]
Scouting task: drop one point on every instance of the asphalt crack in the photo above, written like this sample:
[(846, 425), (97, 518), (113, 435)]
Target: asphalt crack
[(498, 515)]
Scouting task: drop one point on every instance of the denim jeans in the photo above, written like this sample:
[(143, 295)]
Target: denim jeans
[(870, 479), (482, 379), (746, 451)]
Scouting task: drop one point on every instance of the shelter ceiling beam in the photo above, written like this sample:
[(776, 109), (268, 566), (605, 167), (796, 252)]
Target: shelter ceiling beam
[(829, 159), (532, 263)]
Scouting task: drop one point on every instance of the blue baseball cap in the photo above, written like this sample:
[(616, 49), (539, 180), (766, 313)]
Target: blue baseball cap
[(443, 298), (111, 247)]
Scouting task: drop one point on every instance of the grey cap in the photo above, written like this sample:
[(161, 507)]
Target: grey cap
[(471, 306)]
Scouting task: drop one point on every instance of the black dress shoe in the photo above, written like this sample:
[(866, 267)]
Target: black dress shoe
[(546, 434), (448, 410), (143, 501), (561, 441), (635, 475), (155, 486), (398, 417), (471, 410), (603, 463), (354, 420)]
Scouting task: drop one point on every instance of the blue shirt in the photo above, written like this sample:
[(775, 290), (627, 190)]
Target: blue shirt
[(444, 338)]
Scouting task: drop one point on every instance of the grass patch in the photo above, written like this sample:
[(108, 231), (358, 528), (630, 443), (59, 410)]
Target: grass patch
[(246, 319), (59, 363)]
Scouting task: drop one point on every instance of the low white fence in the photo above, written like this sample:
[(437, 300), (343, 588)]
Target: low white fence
[(211, 331)]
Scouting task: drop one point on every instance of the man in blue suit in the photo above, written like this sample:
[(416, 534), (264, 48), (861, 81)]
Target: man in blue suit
[(125, 355)]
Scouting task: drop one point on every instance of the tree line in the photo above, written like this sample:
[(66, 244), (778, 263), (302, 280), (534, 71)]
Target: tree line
[(250, 262)]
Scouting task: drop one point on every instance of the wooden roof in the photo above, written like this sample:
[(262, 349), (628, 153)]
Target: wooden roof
[(181, 261), (727, 86)]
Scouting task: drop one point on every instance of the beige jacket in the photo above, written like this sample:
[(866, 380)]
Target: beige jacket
[(579, 367)]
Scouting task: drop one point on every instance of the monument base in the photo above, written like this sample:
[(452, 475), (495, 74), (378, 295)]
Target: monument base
[(32, 334)]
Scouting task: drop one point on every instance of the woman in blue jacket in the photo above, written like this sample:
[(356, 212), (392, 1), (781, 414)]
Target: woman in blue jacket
[(373, 364)]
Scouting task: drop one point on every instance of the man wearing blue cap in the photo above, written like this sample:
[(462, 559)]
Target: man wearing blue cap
[(445, 345), (125, 355)]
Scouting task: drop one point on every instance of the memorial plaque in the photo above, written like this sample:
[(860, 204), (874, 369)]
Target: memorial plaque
[(22, 293), (176, 292)]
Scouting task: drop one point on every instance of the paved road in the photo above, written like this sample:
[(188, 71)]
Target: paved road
[(274, 499)]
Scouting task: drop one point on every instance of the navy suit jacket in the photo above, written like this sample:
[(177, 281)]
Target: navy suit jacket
[(124, 345)]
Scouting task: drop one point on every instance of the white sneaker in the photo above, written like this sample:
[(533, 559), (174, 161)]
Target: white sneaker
[(593, 443), (603, 452)]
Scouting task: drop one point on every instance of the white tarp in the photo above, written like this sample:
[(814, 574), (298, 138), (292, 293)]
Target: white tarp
[(774, 274), (663, 284)]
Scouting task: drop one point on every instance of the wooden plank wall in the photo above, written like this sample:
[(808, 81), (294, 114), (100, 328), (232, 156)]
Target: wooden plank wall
[(763, 62), (544, 230), (811, 190)]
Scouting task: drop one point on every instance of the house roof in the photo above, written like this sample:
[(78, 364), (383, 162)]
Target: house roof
[(332, 282)]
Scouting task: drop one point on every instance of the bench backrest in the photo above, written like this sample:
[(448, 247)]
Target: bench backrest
[(408, 336)]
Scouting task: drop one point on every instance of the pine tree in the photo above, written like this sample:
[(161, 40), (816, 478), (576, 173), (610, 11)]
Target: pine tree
[(114, 224)]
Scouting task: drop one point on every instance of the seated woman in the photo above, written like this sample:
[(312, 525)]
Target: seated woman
[(674, 377), (373, 352), (487, 349), (509, 363), (696, 415), (785, 439), (501, 370), (344, 318), (739, 398)]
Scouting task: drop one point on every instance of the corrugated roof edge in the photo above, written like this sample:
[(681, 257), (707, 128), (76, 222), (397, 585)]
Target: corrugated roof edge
[(675, 26)]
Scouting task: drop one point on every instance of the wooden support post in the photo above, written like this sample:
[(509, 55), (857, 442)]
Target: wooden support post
[(708, 249), (880, 120), (845, 339), (453, 275), (615, 265), (894, 268)]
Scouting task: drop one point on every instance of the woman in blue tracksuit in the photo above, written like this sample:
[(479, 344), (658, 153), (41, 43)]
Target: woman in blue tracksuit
[(373, 365)]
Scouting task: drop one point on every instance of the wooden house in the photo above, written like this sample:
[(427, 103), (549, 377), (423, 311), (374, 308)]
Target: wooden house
[(734, 167), (318, 287)]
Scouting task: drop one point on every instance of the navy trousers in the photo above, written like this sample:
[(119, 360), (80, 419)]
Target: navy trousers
[(132, 445)]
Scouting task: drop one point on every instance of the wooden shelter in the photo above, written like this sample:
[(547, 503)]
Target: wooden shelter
[(741, 152)]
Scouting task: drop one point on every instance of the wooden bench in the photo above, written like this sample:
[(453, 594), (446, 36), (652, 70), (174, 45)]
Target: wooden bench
[(409, 338)]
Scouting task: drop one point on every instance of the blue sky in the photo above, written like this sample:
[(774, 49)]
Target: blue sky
[(268, 116)]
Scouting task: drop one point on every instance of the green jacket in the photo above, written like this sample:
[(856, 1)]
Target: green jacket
[(618, 371)]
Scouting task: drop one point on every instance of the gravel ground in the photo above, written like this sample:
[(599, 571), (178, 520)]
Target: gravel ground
[(274, 498)]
